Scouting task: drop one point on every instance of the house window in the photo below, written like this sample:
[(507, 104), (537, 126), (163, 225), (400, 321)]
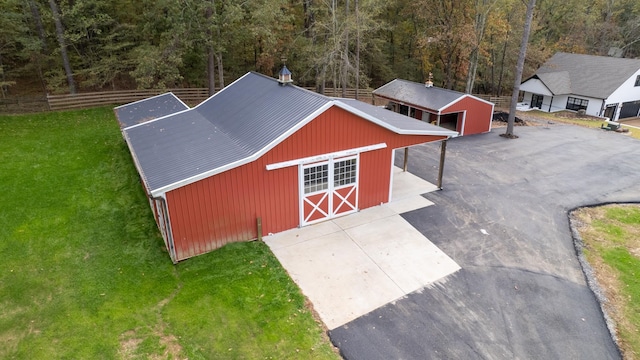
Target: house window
[(577, 104), (344, 172), (637, 81), (404, 110), (316, 178)]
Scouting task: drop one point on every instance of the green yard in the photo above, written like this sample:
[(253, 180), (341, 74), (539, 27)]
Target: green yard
[(612, 239), (567, 117), (84, 273)]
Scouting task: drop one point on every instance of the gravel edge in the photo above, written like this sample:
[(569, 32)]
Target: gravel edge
[(589, 273)]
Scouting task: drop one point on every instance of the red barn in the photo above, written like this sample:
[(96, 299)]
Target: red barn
[(450, 109), (264, 151)]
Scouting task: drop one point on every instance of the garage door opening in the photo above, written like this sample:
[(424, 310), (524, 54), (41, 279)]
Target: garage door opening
[(450, 121), (630, 109)]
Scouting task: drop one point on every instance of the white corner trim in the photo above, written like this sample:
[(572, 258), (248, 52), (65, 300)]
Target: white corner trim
[(221, 90), (388, 126), (480, 99), (322, 157), (157, 119), (151, 97), (182, 102)]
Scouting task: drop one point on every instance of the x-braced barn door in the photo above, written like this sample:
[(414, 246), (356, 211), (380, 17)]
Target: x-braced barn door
[(328, 189)]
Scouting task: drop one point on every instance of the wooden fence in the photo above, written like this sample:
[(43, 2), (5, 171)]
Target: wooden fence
[(190, 96), (350, 93), (193, 96), (23, 104), (499, 101)]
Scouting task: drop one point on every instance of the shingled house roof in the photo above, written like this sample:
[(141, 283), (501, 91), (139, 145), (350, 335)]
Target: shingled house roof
[(585, 75), (236, 126)]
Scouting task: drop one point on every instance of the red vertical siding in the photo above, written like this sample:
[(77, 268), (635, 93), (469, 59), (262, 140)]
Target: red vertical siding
[(479, 115), (223, 208)]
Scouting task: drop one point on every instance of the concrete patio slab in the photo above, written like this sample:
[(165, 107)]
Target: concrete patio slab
[(410, 260), (352, 265), (405, 185), (340, 280)]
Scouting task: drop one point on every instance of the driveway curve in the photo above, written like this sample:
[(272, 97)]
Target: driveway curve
[(503, 217)]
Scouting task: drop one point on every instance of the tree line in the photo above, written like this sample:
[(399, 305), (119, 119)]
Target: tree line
[(64, 46)]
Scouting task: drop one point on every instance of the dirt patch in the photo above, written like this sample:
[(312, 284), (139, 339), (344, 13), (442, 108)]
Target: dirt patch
[(128, 345), (325, 331), (576, 115), (131, 340), (500, 118), (173, 349), (503, 116), (509, 136), (634, 122)]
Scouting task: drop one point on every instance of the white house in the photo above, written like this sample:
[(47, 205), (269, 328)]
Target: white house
[(602, 86)]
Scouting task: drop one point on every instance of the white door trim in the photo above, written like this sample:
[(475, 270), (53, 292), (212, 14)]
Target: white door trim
[(322, 157), (328, 194)]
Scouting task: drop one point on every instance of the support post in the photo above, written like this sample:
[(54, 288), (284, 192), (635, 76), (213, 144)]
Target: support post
[(259, 220), (438, 120), (406, 159), (443, 150)]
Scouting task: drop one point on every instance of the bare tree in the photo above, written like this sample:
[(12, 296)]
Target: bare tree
[(211, 62), (63, 46), (482, 8), (357, 52), (345, 55), (519, 68)]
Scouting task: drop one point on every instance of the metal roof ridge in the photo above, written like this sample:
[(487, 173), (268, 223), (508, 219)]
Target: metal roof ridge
[(164, 117), (149, 98), (251, 155), (221, 90), (345, 106), (236, 140), (437, 88)]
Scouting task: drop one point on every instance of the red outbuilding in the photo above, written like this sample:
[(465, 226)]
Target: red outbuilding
[(450, 109), (263, 156)]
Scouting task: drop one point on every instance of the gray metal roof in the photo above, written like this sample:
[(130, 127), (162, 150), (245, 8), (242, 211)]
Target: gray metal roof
[(237, 125), (586, 75), (398, 123), (148, 109), (409, 92)]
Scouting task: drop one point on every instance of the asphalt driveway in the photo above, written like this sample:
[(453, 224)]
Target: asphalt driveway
[(502, 216)]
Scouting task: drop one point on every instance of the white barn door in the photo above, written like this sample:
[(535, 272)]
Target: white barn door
[(328, 189)]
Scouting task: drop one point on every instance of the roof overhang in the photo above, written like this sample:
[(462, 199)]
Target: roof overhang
[(435, 132), (402, 102), (536, 86)]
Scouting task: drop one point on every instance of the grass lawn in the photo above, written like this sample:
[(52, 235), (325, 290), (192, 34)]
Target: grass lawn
[(84, 273), (612, 245), (568, 118)]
